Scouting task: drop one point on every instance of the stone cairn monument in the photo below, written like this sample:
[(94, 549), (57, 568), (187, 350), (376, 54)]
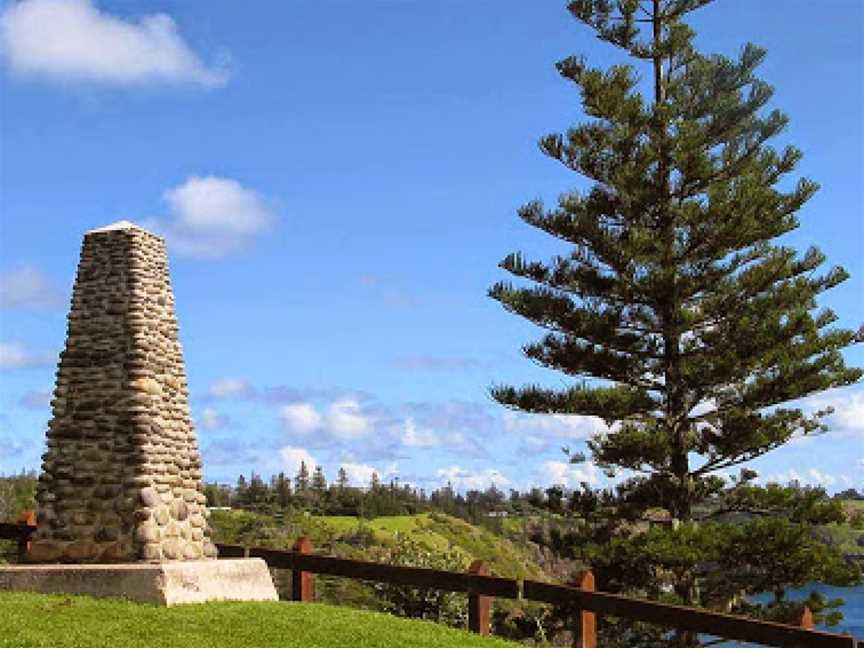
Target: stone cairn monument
[(121, 479)]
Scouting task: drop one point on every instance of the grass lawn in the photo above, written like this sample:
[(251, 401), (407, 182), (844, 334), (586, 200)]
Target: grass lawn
[(440, 532), (384, 526), (58, 621)]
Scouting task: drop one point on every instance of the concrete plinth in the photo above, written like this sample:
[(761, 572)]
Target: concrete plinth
[(173, 583)]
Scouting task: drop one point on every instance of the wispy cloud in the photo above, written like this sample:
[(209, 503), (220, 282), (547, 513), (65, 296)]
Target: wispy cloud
[(73, 41), (10, 447), (559, 473), (467, 479), (287, 394), (848, 404), (234, 388), (29, 289), (811, 476), (343, 420), (36, 400), (212, 421), (368, 430), (418, 437), (385, 291), (361, 474), (212, 217), (230, 388), (292, 457), (437, 363), (554, 425), (302, 418), (15, 355)]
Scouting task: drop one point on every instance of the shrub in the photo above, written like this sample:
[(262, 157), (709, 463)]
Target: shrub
[(450, 608)]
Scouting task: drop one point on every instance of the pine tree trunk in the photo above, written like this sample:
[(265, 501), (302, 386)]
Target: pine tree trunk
[(676, 414)]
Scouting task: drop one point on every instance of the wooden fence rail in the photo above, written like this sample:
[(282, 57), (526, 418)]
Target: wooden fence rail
[(481, 587)]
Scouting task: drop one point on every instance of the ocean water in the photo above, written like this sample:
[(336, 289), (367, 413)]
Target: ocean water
[(853, 609)]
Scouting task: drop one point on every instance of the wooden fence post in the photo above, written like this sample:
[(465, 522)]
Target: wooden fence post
[(479, 607), (806, 620), (302, 582), (28, 518), (585, 632)]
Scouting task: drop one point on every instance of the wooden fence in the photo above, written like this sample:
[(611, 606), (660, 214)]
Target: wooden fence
[(482, 587)]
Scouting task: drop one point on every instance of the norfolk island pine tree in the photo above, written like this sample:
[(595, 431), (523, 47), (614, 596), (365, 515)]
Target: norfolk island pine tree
[(687, 323)]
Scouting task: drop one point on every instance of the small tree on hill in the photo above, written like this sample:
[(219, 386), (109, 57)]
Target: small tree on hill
[(301, 479), (241, 492), (281, 487), (319, 488), (342, 479), (693, 323)]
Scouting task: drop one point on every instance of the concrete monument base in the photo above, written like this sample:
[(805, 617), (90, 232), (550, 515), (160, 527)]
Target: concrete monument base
[(171, 583)]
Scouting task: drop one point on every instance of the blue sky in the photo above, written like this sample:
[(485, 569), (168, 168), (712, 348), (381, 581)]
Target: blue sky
[(337, 182)]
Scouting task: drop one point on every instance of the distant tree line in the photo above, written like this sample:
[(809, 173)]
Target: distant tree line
[(311, 490)]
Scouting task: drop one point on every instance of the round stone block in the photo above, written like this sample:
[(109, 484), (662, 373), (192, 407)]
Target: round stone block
[(149, 497), (147, 533)]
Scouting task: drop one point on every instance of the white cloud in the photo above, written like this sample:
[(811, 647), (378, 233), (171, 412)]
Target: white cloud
[(28, 288), (463, 479), (345, 420), (211, 420), (570, 475), (558, 425), (73, 41), (811, 476), (212, 203), (849, 413), (348, 419), (419, 438), (301, 417), (212, 217), (848, 416), (361, 474), (230, 388), (292, 457), (10, 447), (535, 443), (818, 477), (14, 355)]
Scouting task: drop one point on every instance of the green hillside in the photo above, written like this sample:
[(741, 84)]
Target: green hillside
[(56, 621), (352, 537)]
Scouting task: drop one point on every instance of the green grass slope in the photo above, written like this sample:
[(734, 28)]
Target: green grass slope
[(56, 621), (441, 532), (351, 537)]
